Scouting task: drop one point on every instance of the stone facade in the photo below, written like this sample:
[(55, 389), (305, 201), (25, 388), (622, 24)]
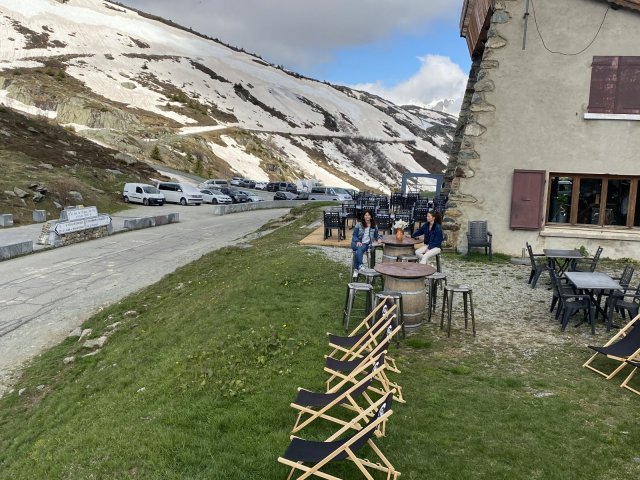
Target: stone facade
[(524, 109)]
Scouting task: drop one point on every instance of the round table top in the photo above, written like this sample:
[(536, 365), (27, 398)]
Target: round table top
[(405, 269), (406, 241)]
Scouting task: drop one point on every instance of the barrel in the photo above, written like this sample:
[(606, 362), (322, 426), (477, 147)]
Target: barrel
[(414, 299), (391, 252)]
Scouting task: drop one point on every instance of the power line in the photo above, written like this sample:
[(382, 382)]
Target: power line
[(535, 20)]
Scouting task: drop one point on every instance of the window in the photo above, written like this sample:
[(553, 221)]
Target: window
[(615, 86), (587, 199)]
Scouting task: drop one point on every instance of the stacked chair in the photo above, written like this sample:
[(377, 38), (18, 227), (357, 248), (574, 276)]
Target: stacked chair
[(357, 399)]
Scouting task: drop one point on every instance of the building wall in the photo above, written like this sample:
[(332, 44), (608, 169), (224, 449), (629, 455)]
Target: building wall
[(527, 113)]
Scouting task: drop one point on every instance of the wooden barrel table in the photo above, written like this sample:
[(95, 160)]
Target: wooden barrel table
[(409, 280), (394, 247)]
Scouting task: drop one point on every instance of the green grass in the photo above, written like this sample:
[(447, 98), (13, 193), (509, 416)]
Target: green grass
[(197, 384)]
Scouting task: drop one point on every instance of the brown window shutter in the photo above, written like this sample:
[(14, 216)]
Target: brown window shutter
[(526, 199), (628, 91), (604, 79)]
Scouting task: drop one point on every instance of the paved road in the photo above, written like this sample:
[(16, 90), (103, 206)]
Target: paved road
[(46, 295)]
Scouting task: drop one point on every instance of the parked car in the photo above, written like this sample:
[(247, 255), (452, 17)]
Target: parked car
[(302, 196), (252, 197), (260, 186), (330, 193), (235, 194), (181, 193), (215, 196), (235, 181), (283, 195), (214, 183), (142, 193), (272, 187), (246, 183)]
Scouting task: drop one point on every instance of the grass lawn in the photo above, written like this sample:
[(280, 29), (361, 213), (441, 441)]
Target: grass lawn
[(198, 372)]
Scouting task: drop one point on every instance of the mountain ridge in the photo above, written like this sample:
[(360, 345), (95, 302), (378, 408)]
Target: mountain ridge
[(121, 79)]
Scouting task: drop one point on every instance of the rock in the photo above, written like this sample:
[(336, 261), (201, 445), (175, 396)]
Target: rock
[(113, 326), (19, 192), (57, 205), (34, 186), (128, 85), (47, 166), (128, 159), (9, 193), (38, 197), (76, 332), (77, 196), (114, 172), (92, 353), (68, 360), (71, 153), (5, 133), (21, 391), (85, 333), (95, 342), (40, 388), (130, 313), (32, 130), (97, 190)]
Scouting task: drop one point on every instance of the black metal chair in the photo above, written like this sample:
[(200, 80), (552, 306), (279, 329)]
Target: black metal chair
[(420, 214), (539, 264), (333, 220), (384, 222), (587, 264), (571, 302), (440, 204), (478, 236), (628, 301), (624, 280)]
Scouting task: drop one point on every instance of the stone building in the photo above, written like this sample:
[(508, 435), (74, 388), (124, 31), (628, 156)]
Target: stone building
[(547, 147)]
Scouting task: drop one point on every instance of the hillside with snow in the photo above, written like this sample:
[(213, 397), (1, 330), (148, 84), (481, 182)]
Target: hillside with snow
[(132, 82)]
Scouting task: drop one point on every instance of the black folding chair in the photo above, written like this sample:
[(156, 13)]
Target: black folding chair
[(623, 346), (539, 264)]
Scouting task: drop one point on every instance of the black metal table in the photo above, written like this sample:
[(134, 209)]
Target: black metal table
[(561, 259), (592, 282)]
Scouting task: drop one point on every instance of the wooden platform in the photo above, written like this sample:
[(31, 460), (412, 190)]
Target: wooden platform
[(316, 238)]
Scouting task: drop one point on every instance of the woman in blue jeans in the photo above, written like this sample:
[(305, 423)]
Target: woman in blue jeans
[(364, 234)]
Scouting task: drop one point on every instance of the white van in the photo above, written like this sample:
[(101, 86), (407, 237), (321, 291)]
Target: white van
[(142, 193), (181, 193), (330, 193), (214, 183)]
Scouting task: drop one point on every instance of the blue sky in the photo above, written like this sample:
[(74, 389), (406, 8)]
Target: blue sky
[(408, 51)]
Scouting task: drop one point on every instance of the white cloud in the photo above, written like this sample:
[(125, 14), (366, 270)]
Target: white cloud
[(299, 33), (437, 79)]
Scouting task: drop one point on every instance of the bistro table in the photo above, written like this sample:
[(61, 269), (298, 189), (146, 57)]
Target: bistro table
[(408, 279), (591, 282), (561, 259), (394, 247)]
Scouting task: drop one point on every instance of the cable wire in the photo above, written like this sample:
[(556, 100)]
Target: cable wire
[(535, 20)]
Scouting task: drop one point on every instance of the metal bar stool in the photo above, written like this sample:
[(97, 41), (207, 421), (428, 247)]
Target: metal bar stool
[(407, 257), (370, 276), (447, 304), (397, 299), (352, 289), (435, 280)]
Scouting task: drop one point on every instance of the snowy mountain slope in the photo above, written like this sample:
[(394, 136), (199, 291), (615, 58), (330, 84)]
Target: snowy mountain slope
[(133, 83)]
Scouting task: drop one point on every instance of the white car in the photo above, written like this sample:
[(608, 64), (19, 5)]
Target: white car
[(261, 186), (235, 181), (215, 197), (252, 197)]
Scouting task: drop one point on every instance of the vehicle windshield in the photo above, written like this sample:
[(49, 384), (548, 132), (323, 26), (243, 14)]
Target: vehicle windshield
[(150, 190)]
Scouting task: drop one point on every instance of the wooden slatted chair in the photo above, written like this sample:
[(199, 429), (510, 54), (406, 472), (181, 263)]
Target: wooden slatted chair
[(625, 384)]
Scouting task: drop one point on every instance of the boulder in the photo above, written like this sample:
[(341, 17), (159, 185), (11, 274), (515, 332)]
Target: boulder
[(19, 192)]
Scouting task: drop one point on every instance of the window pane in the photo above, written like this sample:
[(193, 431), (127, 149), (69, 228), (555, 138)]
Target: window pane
[(560, 199), (589, 201), (617, 202)]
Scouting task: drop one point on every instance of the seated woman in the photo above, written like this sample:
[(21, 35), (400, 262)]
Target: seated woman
[(432, 231), (364, 234)]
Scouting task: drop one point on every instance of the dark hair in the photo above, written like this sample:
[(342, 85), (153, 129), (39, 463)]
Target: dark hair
[(373, 218), (437, 216)]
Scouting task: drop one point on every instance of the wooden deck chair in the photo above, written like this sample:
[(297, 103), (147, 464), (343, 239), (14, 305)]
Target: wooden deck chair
[(355, 346), (365, 328), (320, 453), (314, 405), (625, 345), (625, 384), (346, 372)]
